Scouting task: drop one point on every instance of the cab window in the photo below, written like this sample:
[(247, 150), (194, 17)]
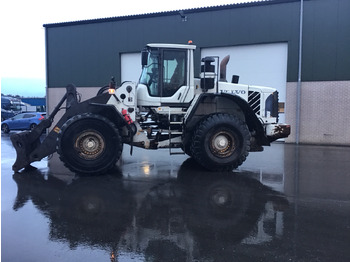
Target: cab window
[(174, 71), (150, 74)]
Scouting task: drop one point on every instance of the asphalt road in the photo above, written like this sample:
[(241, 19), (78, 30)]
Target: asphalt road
[(288, 203)]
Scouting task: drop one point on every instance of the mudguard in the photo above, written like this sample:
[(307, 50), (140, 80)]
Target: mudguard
[(208, 99)]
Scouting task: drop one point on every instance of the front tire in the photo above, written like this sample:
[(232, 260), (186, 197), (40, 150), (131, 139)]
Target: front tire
[(221, 142), (89, 144)]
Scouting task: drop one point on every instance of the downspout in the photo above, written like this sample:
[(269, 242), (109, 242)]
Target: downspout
[(298, 93), (47, 69)]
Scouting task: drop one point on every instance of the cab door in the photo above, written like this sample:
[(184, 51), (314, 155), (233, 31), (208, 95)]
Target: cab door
[(173, 76)]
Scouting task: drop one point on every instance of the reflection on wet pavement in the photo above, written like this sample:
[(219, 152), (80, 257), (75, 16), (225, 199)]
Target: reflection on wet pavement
[(177, 218), (159, 208)]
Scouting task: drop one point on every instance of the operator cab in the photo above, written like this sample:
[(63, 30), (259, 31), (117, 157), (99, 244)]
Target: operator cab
[(167, 75)]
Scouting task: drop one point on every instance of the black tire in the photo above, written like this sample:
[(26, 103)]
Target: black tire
[(89, 144), (221, 142), (186, 147), (5, 128)]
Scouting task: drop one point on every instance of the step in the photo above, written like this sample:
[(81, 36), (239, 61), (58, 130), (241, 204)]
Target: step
[(175, 132), (177, 153), (175, 143)]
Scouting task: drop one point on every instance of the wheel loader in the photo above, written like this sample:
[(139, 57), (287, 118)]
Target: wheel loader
[(214, 121)]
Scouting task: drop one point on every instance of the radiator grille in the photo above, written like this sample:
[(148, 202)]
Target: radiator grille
[(254, 101)]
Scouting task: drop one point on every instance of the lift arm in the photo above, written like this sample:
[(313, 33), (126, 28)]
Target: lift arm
[(27, 142)]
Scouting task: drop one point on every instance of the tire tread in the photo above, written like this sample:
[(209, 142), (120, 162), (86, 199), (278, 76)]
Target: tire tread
[(204, 127), (74, 119)]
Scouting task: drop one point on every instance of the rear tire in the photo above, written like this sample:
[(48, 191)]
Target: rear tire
[(186, 146), (221, 142), (89, 144)]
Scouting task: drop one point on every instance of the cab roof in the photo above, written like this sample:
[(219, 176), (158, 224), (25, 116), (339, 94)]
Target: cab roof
[(176, 46)]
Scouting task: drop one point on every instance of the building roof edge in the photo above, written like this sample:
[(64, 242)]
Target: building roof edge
[(167, 13)]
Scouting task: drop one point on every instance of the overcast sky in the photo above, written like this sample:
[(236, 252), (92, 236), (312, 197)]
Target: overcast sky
[(22, 45)]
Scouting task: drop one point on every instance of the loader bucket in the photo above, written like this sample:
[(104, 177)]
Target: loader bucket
[(25, 143)]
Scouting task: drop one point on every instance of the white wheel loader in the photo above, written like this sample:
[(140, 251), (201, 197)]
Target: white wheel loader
[(216, 122)]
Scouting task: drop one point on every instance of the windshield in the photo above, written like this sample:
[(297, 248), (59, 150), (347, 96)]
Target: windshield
[(170, 78), (150, 74)]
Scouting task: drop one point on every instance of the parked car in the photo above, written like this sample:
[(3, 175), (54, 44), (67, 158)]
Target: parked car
[(5, 114), (24, 121)]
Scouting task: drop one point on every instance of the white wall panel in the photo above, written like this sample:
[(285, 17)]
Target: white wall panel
[(130, 67)]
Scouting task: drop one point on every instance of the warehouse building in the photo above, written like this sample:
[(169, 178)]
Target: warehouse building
[(262, 39)]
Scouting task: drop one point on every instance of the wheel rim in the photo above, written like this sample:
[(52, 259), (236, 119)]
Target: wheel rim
[(221, 197), (90, 145), (222, 144), (5, 128)]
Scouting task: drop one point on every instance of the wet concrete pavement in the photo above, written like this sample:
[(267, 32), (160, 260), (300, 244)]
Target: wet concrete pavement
[(288, 203)]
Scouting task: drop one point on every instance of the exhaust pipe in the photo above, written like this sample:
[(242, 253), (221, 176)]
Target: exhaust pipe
[(223, 65)]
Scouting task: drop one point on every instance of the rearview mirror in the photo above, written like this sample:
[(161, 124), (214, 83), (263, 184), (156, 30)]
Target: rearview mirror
[(144, 58)]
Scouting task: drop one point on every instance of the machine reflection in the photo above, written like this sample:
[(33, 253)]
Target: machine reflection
[(196, 216)]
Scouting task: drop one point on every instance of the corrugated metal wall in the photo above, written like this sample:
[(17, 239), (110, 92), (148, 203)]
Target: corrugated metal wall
[(89, 53)]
